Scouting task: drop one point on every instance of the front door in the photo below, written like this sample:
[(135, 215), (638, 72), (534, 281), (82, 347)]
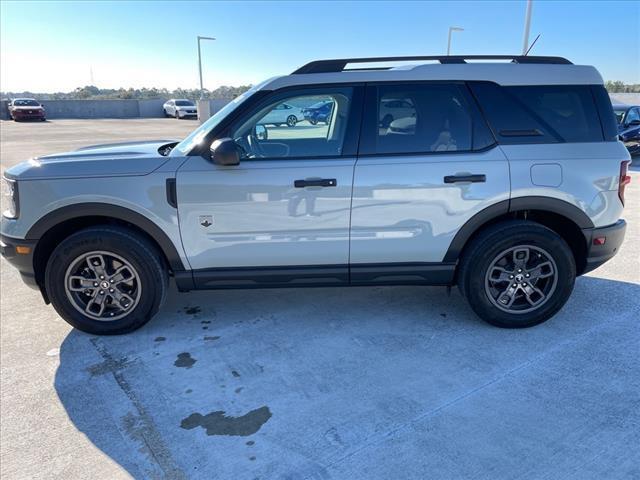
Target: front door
[(282, 215)]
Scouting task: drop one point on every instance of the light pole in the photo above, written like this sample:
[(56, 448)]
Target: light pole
[(527, 24), (200, 63), (452, 29)]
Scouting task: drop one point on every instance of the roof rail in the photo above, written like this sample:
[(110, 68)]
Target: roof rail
[(338, 65)]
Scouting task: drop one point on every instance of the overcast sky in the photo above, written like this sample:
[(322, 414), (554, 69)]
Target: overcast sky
[(54, 46)]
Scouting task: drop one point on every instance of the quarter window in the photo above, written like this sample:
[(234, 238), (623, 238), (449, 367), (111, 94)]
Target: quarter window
[(568, 112), (543, 113)]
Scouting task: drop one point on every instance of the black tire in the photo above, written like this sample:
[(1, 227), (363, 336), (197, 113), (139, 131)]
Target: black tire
[(176, 115), (490, 244), (166, 115), (313, 121), (135, 249), (386, 121), (291, 121)]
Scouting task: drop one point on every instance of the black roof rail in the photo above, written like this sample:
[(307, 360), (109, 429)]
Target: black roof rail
[(338, 65)]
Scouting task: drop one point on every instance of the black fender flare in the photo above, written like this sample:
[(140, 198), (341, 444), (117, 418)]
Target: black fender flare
[(80, 210), (480, 219)]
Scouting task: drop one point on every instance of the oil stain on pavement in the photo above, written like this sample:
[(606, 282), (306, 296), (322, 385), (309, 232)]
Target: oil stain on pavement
[(184, 360), (192, 310), (217, 423)]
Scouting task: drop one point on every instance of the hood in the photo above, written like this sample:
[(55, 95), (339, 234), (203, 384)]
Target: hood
[(117, 159)]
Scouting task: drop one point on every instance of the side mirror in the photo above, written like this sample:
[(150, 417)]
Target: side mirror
[(225, 152), (261, 132)]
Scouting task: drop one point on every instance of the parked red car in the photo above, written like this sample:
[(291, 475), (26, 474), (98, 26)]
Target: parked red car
[(26, 109)]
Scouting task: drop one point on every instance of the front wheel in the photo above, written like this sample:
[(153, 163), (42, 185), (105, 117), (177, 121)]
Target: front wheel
[(106, 280), (313, 121), (517, 274)]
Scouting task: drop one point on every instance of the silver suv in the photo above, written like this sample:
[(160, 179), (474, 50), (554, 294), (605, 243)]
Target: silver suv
[(505, 178)]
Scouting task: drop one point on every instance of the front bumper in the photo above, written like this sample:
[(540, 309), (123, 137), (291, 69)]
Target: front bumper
[(599, 254), (182, 114), (35, 115), (22, 261)]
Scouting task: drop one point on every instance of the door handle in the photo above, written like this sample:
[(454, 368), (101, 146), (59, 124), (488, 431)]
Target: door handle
[(473, 178), (322, 182)]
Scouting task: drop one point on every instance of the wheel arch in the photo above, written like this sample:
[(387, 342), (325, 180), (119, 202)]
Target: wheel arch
[(60, 223), (565, 219)]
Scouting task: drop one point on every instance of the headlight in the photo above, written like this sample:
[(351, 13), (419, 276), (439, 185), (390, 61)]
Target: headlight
[(9, 198)]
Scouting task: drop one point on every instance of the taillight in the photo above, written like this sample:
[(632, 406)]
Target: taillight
[(625, 179)]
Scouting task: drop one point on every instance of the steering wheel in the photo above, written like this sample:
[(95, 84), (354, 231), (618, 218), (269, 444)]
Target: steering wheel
[(254, 145)]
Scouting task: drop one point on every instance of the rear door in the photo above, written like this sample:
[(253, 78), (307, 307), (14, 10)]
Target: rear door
[(420, 177), (282, 215)]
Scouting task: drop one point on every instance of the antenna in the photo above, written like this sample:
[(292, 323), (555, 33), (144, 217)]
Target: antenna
[(529, 49)]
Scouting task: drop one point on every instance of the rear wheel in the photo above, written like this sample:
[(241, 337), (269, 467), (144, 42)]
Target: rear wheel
[(313, 121), (517, 274), (291, 121), (106, 280)]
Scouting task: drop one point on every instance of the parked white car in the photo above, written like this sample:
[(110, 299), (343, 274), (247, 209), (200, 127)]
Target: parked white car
[(180, 108), (284, 113), (395, 108)]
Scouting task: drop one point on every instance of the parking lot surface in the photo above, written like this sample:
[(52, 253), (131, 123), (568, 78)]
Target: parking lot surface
[(325, 383)]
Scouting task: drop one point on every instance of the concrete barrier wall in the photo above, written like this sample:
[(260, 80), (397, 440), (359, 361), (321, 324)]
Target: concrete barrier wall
[(151, 108), (4, 109), (91, 108), (626, 98), (106, 108)]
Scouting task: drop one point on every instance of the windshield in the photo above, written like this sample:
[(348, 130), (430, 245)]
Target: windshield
[(195, 137), (184, 103), (619, 114), (25, 103)]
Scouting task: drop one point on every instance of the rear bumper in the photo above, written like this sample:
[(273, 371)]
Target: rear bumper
[(599, 254), (23, 262)]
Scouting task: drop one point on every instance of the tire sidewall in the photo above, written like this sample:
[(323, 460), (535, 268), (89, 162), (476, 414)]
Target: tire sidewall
[(139, 256), (533, 235)]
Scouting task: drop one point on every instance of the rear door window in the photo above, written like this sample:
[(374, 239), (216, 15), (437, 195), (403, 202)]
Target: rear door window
[(421, 118)]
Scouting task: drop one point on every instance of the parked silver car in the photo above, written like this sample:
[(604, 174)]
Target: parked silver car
[(283, 114), (505, 179), (180, 108)]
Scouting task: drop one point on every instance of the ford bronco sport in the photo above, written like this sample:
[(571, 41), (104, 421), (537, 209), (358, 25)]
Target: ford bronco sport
[(503, 176)]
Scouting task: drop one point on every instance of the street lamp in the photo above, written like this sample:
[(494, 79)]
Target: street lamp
[(200, 63), (527, 25), (452, 29)]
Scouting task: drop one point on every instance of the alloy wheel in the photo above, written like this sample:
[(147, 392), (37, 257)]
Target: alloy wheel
[(521, 279), (102, 285)]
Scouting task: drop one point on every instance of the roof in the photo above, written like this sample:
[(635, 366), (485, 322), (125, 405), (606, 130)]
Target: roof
[(518, 71)]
